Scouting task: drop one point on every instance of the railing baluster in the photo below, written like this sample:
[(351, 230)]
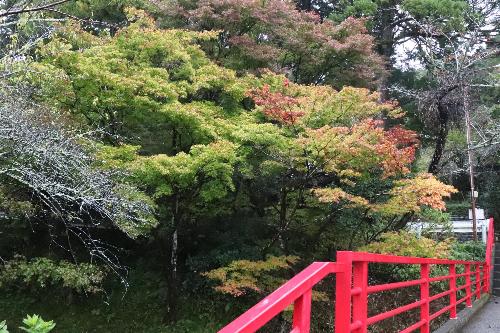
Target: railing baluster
[(424, 296), (453, 295), (478, 281), (302, 313), (468, 289), (343, 284), (360, 301), (486, 277)]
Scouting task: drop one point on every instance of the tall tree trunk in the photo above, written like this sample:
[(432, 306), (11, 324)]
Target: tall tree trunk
[(172, 275), (443, 117), (385, 37), (283, 217)]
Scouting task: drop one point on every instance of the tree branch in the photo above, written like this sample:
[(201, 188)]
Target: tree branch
[(33, 9)]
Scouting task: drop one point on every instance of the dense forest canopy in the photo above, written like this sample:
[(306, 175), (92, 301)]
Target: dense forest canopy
[(186, 157)]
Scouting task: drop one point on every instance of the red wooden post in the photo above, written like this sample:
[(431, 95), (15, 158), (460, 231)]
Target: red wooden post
[(453, 295), (424, 296), (468, 289), (478, 281), (360, 300), (343, 285), (486, 277), (302, 313)]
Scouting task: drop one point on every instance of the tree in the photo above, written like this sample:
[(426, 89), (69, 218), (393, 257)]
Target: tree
[(54, 167), (277, 36), (405, 29)]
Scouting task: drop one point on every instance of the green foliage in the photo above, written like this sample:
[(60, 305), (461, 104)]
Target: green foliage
[(435, 219), (475, 251), (239, 163), (32, 324), (276, 35), (15, 206), (408, 244), (3, 327), (355, 8), (449, 11), (35, 324), (43, 272), (404, 243)]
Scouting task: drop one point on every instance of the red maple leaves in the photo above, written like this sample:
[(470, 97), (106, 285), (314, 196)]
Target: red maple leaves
[(276, 105)]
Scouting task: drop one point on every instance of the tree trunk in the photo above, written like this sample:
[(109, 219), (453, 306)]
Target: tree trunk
[(385, 37), (172, 275), (443, 117)]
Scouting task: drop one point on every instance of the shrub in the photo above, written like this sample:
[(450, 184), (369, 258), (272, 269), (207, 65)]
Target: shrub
[(404, 243), (32, 324), (43, 272), (35, 324)]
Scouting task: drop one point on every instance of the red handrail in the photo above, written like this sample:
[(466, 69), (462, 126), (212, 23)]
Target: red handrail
[(352, 290)]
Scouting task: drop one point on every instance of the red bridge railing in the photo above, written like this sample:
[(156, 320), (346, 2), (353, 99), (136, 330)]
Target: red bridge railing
[(352, 290)]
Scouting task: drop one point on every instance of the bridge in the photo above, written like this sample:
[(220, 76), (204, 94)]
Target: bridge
[(352, 290)]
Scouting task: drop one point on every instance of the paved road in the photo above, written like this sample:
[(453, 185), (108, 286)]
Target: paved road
[(487, 320)]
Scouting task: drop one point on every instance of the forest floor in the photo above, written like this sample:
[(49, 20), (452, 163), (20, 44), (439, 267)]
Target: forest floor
[(136, 309)]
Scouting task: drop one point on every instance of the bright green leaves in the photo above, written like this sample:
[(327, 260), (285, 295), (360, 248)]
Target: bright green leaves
[(35, 324), (447, 13), (124, 83), (31, 324), (206, 171)]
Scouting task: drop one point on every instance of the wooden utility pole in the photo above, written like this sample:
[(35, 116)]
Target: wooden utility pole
[(470, 159)]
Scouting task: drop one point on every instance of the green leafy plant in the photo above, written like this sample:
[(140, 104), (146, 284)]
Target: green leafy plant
[(43, 272), (3, 327), (35, 324)]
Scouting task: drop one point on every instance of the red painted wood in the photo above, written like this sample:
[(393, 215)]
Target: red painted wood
[(284, 296), (360, 301), (302, 313), (478, 281), (453, 295), (468, 289), (395, 285), (394, 312), (343, 286), (424, 298), (352, 291)]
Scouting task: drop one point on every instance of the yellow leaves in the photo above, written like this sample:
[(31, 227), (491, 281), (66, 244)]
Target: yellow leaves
[(336, 195), (407, 196), (422, 190), (361, 149), (240, 276), (322, 105), (408, 244), (326, 106)]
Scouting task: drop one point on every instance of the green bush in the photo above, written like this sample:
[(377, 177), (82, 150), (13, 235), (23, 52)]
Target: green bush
[(471, 250), (43, 272), (407, 244)]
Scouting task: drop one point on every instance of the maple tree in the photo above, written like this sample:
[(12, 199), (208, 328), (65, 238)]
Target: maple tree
[(275, 35)]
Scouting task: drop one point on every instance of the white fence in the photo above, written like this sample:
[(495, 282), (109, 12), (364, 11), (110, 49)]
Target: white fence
[(455, 226)]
